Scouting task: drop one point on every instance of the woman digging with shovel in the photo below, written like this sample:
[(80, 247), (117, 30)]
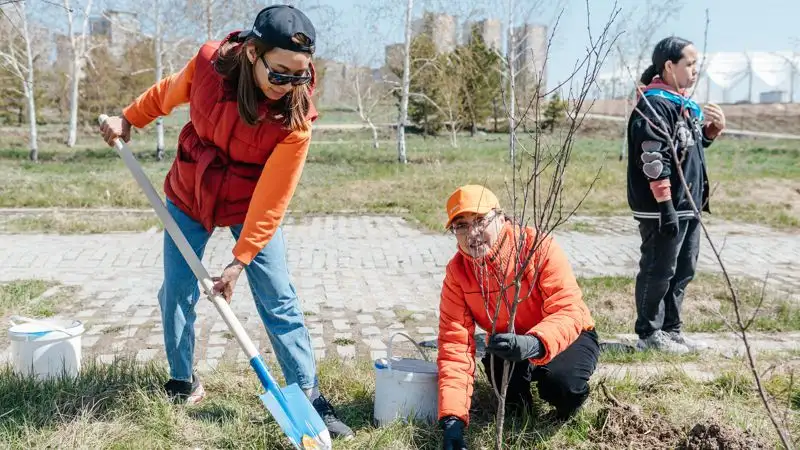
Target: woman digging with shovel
[(238, 162), (554, 342)]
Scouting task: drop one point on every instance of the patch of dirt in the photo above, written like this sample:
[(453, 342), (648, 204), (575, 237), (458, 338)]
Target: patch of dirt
[(638, 431), (784, 194), (712, 436), (626, 424)]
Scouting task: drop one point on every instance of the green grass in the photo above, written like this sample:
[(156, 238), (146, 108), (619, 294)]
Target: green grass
[(757, 180), (121, 405), (22, 297), (611, 300), (79, 222)]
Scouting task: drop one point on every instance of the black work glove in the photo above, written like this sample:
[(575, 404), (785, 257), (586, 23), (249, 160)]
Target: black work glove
[(514, 347), (453, 433), (668, 222)]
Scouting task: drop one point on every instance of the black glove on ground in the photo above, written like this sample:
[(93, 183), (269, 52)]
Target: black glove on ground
[(514, 347), (668, 222), (453, 434)]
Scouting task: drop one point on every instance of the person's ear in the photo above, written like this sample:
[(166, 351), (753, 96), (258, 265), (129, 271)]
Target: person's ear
[(669, 67), (251, 53)]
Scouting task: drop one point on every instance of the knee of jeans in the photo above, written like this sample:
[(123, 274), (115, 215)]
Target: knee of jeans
[(178, 299)]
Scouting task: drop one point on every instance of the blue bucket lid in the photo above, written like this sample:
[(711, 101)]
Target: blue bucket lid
[(32, 331)]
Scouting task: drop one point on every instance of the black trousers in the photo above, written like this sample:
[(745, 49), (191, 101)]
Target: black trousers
[(666, 267), (563, 382)]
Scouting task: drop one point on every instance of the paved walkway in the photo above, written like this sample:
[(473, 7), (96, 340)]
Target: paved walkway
[(359, 278)]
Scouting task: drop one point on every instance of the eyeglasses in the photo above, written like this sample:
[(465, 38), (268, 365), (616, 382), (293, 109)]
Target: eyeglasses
[(281, 79), (479, 224)]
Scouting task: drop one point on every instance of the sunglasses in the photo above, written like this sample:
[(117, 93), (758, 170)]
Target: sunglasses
[(281, 79)]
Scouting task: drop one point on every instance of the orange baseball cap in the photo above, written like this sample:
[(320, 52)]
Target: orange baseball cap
[(470, 198)]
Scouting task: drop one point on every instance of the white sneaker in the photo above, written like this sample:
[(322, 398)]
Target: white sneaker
[(692, 344), (661, 341)]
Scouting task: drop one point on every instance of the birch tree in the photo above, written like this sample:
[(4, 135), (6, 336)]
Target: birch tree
[(358, 89), (217, 17), (160, 16), (405, 85), (79, 48), (17, 57)]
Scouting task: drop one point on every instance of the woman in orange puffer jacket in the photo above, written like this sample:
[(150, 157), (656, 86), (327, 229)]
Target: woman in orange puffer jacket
[(554, 342)]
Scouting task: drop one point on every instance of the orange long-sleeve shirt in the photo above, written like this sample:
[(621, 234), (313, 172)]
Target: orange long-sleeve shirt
[(277, 182), (554, 311)]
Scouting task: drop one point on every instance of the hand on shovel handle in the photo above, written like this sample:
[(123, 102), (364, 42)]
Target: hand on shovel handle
[(115, 127), (225, 283)]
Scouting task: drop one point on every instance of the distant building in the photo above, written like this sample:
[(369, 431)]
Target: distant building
[(490, 30), (393, 58), (332, 83), (120, 28), (338, 83), (441, 28), (774, 97), (63, 59), (531, 54)]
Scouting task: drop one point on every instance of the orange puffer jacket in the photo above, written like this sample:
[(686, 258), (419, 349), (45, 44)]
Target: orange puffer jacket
[(553, 310)]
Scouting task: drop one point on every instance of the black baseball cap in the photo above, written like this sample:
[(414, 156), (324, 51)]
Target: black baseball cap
[(275, 25)]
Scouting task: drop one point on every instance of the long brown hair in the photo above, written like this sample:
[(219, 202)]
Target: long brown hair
[(291, 110)]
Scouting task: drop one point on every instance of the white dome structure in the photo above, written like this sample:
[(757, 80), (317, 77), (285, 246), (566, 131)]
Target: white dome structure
[(725, 77)]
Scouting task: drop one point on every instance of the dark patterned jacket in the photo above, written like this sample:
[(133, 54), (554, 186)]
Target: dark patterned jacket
[(650, 158)]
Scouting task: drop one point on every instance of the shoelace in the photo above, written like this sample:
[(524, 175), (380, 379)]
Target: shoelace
[(325, 408)]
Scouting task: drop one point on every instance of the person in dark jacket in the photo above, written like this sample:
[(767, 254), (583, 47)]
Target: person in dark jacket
[(664, 118)]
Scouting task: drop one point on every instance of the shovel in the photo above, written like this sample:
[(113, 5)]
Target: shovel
[(289, 406)]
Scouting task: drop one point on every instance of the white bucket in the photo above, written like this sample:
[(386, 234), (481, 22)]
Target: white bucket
[(405, 388), (46, 348)]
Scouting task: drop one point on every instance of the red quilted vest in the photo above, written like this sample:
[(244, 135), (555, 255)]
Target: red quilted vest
[(219, 156)]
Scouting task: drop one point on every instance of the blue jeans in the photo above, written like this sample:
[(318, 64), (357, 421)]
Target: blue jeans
[(273, 291)]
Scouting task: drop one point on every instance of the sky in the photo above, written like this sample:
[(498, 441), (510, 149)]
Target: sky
[(735, 25)]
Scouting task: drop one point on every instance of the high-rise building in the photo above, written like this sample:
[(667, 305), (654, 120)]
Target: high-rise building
[(490, 30), (531, 53), (333, 80), (441, 28), (120, 28), (393, 58)]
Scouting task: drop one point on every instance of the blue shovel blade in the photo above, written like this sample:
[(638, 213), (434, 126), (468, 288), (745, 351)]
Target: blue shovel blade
[(307, 431)]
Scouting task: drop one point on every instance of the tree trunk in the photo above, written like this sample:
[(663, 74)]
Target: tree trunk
[(512, 144), (375, 143), (512, 153), (494, 113), (209, 20), (401, 121), (28, 88), (73, 100), (78, 55), (72, 133), (159, 43)]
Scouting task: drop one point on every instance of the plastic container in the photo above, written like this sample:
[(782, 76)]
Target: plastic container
[(46, 348), (405, 388)]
